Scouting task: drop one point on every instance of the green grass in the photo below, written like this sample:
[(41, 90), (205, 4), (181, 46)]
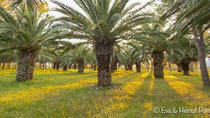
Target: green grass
[(89, 100)]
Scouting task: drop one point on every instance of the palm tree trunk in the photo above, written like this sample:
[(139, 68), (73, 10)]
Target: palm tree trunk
[(80, 66), (57, 65), (65, 68), (40, 65), (185, 67), (26, 62), (126, 67), (158, 64), (94, 67), (54, 65), (3, 65), (103, 54), (70, 66), (169, 66), (75, 66), (138, 67), (43, 66), (113, 66), (91, 66), (130, 67), (179, 68), (201, 55)]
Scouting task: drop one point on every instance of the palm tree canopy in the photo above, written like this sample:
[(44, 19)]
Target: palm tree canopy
[(27, 30), (190, 13), (31, 3), (80, 53), (102, 20)]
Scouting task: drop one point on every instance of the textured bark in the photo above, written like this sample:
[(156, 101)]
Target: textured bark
[(26, 62), (199, 40), (114, 67), (126, 67), (57, 65), (75, 66), (138, 67), (130, 67), (103, 54), (91, 66), (65, 68), (158, 64), (94, 67), (185, 68), (80, 66), (40, 65), (179, 68), (70, 66)]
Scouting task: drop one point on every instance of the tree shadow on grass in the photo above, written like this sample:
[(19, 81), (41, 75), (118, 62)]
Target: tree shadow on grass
[(154, 93)]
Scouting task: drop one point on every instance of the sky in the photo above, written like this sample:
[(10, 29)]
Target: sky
[(73, 4)]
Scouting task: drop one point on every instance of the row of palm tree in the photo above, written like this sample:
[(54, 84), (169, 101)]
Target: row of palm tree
[(192, 16), (104, 24)]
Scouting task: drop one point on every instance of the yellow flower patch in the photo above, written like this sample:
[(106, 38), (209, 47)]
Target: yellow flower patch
[(193, 97), (123, 95)]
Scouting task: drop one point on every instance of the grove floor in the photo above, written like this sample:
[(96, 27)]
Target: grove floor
[(73, 95)]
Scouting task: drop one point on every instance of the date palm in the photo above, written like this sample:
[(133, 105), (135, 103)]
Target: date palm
[(101, 23), (157, 42), (183, 56), (78, 55), (27, 32), (140, 55)]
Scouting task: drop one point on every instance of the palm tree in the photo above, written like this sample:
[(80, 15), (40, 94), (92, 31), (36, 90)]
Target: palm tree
[(184, 56), (27, 32), (127, 58), (7, 57), (133, 54), (92, 60), (140, 55), (55, 52), (157, 42), (194, 16), (102, 24), (78, 55)]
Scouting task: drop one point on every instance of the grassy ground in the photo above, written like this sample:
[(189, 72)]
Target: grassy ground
[(69, 94)]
